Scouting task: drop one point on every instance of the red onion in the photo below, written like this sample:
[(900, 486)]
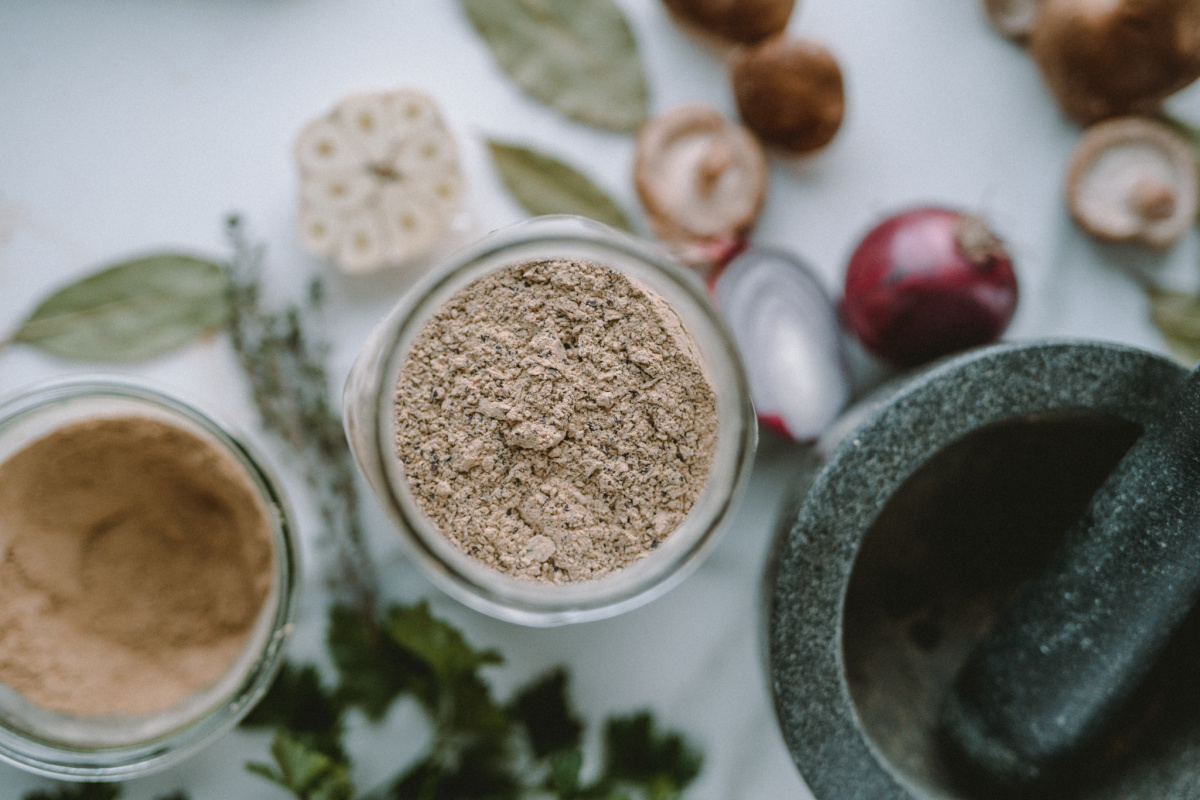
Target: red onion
[(927, 282), (786, 328)]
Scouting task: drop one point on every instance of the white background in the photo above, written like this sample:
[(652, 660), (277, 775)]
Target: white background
[(135, 125)]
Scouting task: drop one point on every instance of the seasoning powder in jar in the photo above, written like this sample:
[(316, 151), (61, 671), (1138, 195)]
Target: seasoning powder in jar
[(135, 559), (555, 421)]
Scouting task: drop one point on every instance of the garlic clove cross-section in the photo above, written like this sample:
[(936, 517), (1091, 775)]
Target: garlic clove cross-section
[(379, 180), (700, 176), (1133, 179)]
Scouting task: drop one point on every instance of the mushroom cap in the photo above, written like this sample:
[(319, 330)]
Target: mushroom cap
[(789, 92), (699, 175), (1107, 58), (734, 21), (1133, 179), (1013, 18)]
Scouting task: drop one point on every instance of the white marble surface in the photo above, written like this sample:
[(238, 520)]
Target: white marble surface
[(133, 125)]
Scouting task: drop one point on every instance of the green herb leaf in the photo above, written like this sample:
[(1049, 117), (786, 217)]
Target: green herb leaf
[(77, 791), (306, 773), (472, 710), (578, 56), (373, 670), (131, 311), (635, 752), (546, 713), (1177, 317), (480, 772), (544, 185), (454, 694), (299, 703), (437, 643), (89, 791), (565, 767)]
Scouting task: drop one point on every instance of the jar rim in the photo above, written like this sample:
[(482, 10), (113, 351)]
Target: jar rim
[(526, 601)]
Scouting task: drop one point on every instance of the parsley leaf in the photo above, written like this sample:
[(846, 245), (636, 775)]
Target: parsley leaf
[(480, 772), (466, 707), (437, 643), (373, 670), (89, 791), (77, 791), (544, 710), (307, 773), (662, 764), (450, 688), (565, 767), (301, 704), (480, 749)]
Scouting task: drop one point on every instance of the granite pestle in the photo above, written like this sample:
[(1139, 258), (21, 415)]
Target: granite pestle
[(1074, 644)]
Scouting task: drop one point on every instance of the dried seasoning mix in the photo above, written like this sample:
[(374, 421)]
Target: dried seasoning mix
[(555, 420), (135, 559)]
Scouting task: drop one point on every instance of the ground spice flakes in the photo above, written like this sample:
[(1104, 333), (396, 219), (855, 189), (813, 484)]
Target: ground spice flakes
[(555, 421)]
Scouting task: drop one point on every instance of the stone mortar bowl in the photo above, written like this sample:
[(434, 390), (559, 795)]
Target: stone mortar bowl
[(923, 521)]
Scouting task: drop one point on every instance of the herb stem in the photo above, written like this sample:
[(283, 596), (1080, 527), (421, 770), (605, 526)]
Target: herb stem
[(290, 386)]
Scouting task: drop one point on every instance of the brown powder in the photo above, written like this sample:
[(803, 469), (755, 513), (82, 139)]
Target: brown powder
[(555, 421), (134, 560)]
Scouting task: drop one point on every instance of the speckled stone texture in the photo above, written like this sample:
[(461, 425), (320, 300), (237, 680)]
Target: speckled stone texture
[(950, 494), (1068, 653)]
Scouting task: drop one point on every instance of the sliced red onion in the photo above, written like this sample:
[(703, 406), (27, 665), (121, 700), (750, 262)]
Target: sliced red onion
[(787, 330)]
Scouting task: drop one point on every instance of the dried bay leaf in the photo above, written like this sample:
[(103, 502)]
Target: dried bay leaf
[(577, 56), (544, 185), (131, 311), (1177, 317)]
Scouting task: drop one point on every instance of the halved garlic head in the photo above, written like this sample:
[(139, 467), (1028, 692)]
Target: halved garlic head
[(379, 180), (1133, 179), (699, 175)]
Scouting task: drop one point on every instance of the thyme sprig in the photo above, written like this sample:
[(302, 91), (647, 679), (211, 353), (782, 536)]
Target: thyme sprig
[(290, 386)]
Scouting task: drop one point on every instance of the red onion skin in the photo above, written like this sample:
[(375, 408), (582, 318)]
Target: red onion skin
[(793, 412), (775, 424), (928, 282)]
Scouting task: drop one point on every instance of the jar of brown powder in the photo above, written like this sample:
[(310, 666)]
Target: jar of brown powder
[(147, 580), (556, 420)]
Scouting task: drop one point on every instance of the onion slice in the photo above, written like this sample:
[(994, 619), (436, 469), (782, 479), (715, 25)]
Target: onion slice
[(787, 330)]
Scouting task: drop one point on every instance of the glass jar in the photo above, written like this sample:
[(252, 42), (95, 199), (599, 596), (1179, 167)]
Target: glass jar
[(370, 411), (118, 746)]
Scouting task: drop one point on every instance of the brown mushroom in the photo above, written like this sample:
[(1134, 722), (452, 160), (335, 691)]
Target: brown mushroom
[(789, 91), (700, 176), (1107, 58), (1133, 179), (1013, 18), (733, 21)]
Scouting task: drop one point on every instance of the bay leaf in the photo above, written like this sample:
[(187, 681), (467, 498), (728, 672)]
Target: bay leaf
[(544, 185), (577, 56), (1177, 317), (131, 311)]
